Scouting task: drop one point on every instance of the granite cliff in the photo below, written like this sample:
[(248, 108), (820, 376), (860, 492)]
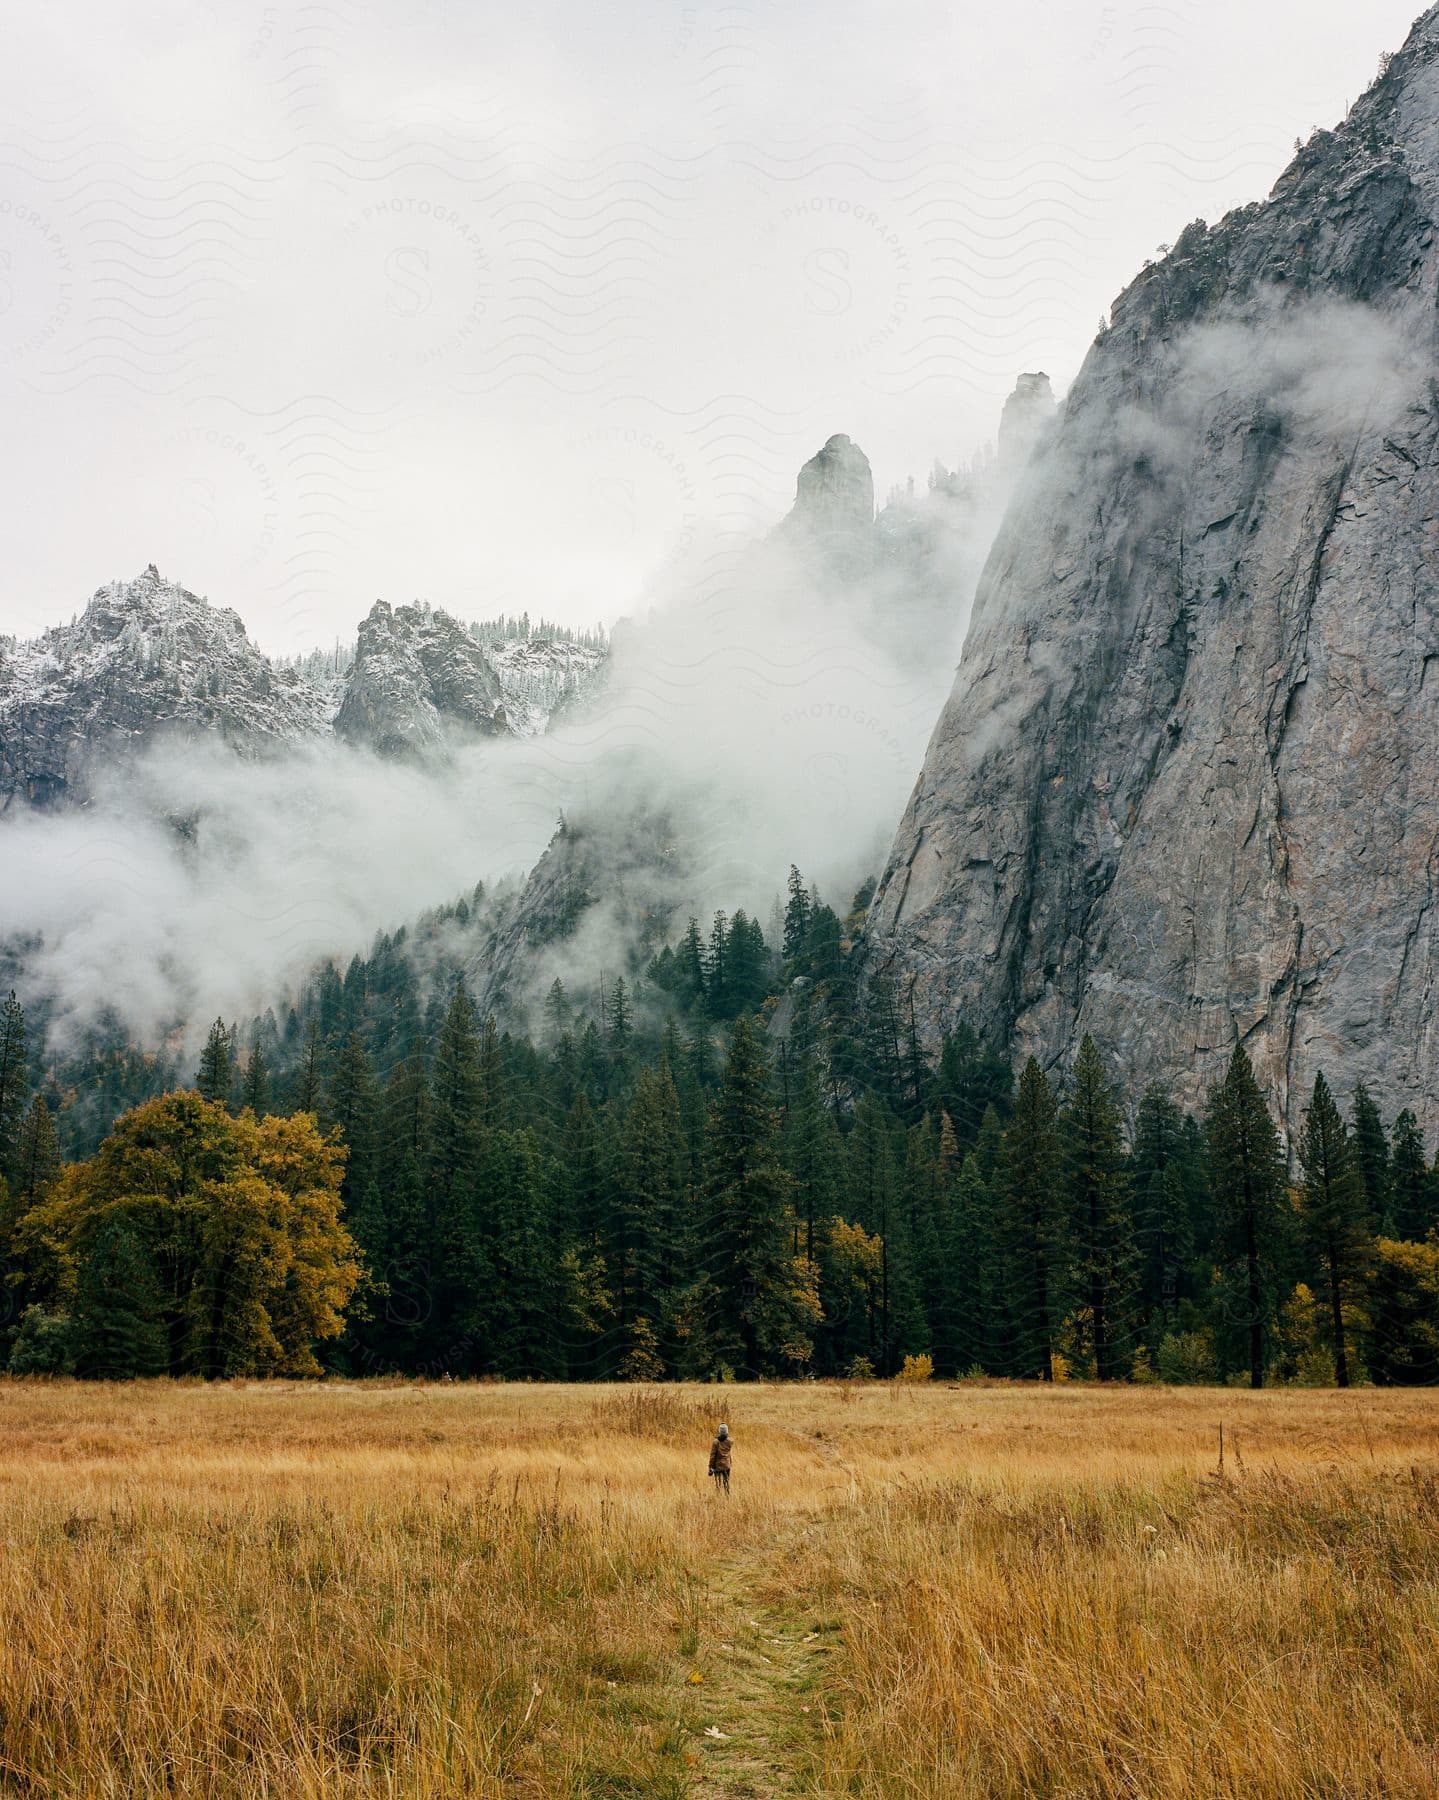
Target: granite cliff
[(1185, 792)]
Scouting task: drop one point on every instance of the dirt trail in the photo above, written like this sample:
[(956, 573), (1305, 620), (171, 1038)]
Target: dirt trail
[(760, 1700)]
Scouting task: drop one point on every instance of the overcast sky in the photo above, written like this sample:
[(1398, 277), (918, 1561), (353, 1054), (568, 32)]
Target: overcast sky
[(326, 300)]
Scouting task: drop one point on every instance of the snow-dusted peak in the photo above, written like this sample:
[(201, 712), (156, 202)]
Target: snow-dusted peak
[(145, 656), (419, 683)]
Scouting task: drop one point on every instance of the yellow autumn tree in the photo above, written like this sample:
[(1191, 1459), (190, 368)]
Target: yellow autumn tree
[(239, 1219)]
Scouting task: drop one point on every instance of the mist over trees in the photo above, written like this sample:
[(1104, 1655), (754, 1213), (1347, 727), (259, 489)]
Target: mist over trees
[(731, 1160)]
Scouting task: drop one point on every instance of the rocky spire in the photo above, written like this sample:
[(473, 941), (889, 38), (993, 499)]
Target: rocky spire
[(834, 500), (1026, 413)]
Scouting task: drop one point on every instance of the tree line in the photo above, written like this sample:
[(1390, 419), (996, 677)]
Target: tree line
[(734, 1160)]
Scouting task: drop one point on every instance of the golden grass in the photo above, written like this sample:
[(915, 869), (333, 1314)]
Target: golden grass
[(289, 1590)]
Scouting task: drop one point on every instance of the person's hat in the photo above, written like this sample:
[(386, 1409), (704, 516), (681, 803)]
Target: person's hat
[(724, 1430)]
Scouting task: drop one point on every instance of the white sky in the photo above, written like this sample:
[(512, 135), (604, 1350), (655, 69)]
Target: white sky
[(326, 300)]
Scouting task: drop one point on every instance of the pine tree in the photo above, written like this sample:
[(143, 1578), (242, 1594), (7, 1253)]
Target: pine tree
[(877, 1204), (308, 1081), (1100, 1229), (1334, 1218), (822, 958), (14, 1080), (1032, 1223), (812, 1145), (495, 1108), (216, 1080), (620, 1021), (118, 1328), (456, 1143), (716, 969), (756, 1310), (513, 1283), (969, 1277), (1410, 1209), (352, 1107), (37, 1162), (798, 915), (1371, 1155), (255, 1085), (1248, 1177), (971, 1080), (1163, 1231), (747, 964), (399, 1261), (690, 972), (880, 1041), (988, 1145), (558, 1011), (649, 1184)]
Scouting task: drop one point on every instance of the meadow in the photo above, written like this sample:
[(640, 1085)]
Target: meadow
[(979, 1590)]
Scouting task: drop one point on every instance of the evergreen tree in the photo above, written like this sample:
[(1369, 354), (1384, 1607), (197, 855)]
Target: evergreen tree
[(798, 915), (37, 1162), (690, 971), (14, 1080), (558, 1011), (1100, 1228), (876, 1203), (351, 1107), (1402, 1342), (812, 1145), (1410, 1209), (514, 1284), (716, 970), (308, 1077), (118, 1328), (1371, 1155), (1334, 1218), (1248, 1178), (255, 1085), (880, 1043), (649, 1183), (757, 1314), (989, 1145), (970, 1279), (1032, 1223), (746, 965), (456, 1142), (822, 957), (620, 1021), (397, 1229), (971, 1080), (1163, 1231), (216, 1080)]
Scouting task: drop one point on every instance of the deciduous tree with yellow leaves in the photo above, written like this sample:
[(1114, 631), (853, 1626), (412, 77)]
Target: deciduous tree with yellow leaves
[(237, 1220)]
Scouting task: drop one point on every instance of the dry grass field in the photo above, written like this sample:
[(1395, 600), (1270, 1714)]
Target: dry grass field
[(981, 1591)]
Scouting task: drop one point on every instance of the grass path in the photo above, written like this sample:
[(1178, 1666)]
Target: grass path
[(761, 1697)]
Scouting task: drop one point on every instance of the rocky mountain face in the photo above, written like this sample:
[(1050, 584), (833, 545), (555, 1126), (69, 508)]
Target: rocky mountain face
[(542, 677), (148, 659), (1185, 792), (418, 679)]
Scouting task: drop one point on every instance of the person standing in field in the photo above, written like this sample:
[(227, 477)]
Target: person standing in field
[(720, 1457)]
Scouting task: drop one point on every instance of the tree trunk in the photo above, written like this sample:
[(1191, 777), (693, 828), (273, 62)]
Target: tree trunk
[(1336, 1306), (1256, 1320)]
